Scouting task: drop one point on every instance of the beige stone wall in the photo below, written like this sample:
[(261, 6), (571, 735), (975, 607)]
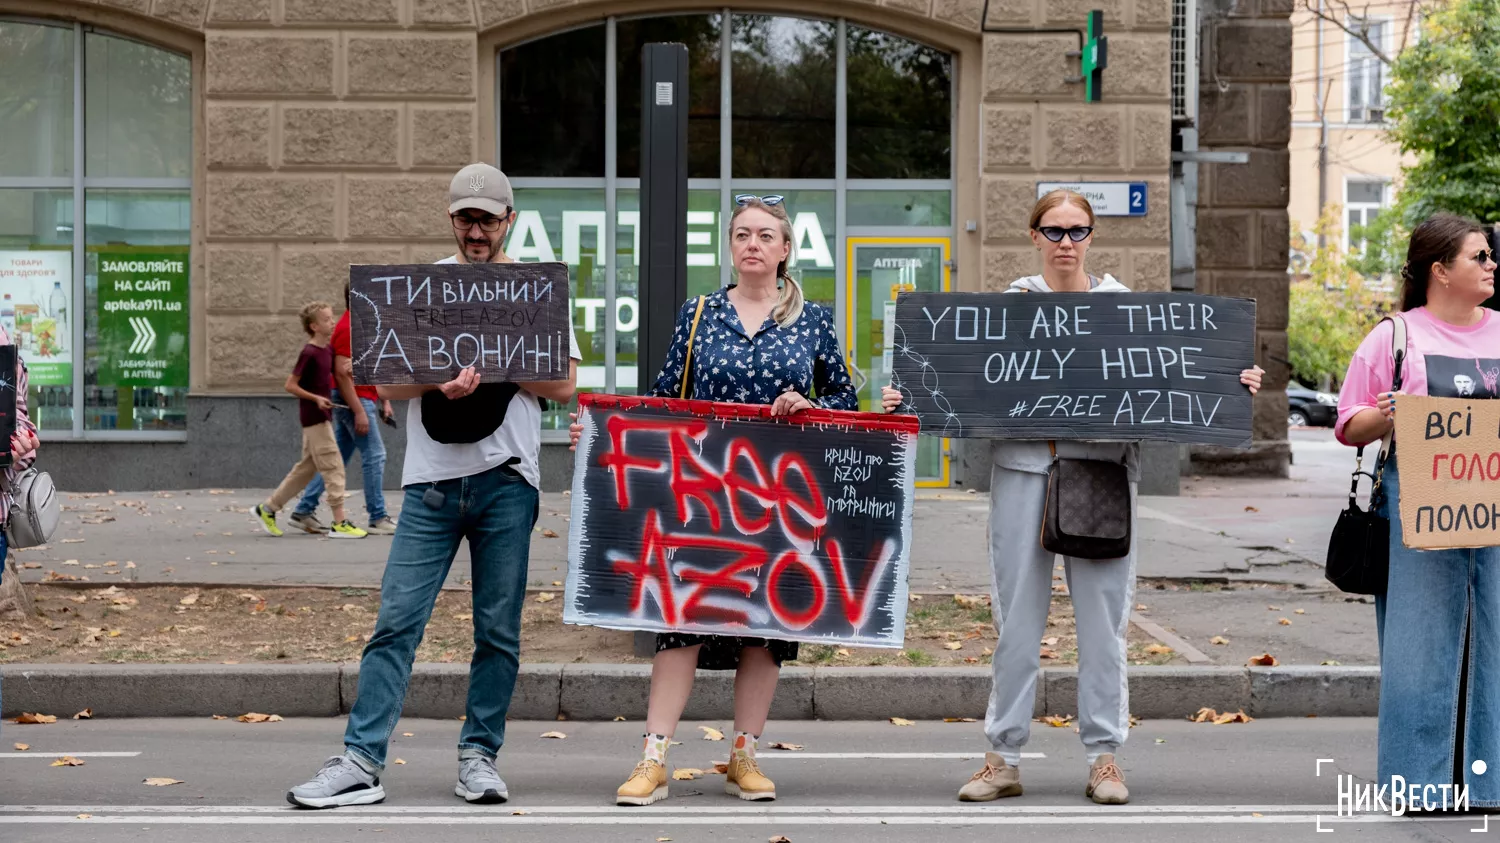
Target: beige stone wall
[(1037, 128), (328, 130)]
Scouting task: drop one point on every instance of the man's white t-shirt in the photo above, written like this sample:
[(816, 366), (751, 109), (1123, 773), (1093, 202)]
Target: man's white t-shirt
[(519, 437)]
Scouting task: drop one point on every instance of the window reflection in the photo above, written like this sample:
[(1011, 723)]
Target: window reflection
[(138, 110), (784, 78), (900, 105), (552, 106), (701, 34), (36, 256), (36, 100)]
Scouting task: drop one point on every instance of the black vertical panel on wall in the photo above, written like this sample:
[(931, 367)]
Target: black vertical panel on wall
[(664, 200)]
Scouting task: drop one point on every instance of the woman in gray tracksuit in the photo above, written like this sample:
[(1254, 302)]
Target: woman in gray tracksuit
[(1062, 225)]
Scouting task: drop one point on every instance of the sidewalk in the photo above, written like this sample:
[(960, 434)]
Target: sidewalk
[(1228, 558)]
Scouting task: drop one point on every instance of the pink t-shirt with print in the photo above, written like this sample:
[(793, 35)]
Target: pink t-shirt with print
[(1442, 360)]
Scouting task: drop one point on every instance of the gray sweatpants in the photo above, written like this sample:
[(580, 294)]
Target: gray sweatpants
[(1021, 595)]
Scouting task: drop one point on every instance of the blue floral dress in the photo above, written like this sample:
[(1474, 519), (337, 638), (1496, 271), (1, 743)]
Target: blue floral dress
[(730, 365)]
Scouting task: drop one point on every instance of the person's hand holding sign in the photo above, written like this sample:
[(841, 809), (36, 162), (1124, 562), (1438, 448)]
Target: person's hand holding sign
[(466, 382), (890, 399), (23, 443), (1251, 378), (790, 402), (575, 431)]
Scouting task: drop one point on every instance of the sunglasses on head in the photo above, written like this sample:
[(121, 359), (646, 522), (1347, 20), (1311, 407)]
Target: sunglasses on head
[(747, 198), (1077, 234)]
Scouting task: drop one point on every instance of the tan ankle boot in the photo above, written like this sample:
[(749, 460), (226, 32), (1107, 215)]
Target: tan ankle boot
[(647, 784), (745, 780), (1107, 783), (997, 779)]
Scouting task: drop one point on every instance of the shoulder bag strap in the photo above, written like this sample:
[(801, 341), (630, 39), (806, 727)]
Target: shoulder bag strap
[(687, 363), (1398, 354)]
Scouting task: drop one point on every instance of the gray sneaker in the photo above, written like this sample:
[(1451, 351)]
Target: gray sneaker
[(384, 527), (307, 523), (479, 783), (339, 782)]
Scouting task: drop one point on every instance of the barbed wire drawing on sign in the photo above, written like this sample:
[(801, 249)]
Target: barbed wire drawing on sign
[(951, 424)]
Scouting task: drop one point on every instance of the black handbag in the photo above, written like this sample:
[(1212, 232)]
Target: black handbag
[(1087, 511), (1359, 551), (460, 421)]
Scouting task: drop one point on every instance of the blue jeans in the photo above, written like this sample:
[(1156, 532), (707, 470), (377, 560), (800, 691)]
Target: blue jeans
[(1434, 600), (495, 511), (372, 453)]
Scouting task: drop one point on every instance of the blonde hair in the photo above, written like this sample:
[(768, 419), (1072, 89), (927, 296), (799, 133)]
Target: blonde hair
[(788, 307), (309, 314), (1058, 198)]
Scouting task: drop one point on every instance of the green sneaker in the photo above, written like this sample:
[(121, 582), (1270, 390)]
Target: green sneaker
[(345, 530), (267, 519)]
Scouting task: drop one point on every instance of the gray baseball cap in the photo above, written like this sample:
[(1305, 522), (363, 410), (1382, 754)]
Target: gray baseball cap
[(481, 187)]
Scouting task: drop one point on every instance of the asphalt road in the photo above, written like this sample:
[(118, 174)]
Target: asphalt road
[(1190, 782)]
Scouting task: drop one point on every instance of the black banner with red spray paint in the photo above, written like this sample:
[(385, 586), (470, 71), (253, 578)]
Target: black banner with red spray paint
[(702, 517)]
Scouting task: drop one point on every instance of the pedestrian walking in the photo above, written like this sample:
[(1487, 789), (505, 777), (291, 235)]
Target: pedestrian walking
[(472, 473), (23, 448), (757, 341), (1437, 621), (354, 427), (311, 381), (1062, 227)]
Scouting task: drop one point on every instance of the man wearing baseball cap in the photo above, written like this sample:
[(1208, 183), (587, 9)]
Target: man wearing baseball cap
[(471, 472)]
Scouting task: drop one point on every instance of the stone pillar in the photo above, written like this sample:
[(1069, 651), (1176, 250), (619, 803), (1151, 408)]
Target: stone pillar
[(1245, 105), (1037, 127), (332, 130)]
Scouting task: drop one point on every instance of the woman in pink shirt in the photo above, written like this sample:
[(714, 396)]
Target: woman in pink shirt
[(1439, 620)]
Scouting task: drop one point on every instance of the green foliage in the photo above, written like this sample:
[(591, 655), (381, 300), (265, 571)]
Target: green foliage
[(1444, 101), (1332, 307)]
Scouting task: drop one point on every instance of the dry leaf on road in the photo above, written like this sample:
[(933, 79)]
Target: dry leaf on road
[(161, 782), (554, 735), (686, 774), (1233, 717), (663, 839), (399, 761), (902, 721), (620, 718), (85, 816), (1158, 650), (68, 761), (1218, 639), (465, 616), (29, 719), (1264, 660), (22, 747), (189, 600), (1057, 722), (953, 645), (1299, 611), (780, 838), (86, 714), (711, 734), (986, 652), (408, 734), (549, 534), (958, 720), (721, 767), (220, 716), (789, 747), (1204, 715), (1284, 622), (1048, 653), (1251, 509), (546, 597), (257, 717)]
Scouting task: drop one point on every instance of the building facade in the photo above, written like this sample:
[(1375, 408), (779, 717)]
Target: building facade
[(190, 172)]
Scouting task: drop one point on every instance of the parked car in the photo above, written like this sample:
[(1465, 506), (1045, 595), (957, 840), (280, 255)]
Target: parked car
[(1310, 408)]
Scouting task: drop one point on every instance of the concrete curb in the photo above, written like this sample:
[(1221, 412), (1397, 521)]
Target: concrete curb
[(607, 691)]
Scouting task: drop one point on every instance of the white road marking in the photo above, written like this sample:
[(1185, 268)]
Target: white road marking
[(55, 754), (902, 756), (654, 819), (746, 810)]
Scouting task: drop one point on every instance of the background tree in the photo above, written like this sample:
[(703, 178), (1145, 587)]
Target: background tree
[(1332, 307)]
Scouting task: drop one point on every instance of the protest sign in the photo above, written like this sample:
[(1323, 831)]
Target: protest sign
[(1110, 366), (703, 517), (424, 323), (1450, 472), (7, 401)]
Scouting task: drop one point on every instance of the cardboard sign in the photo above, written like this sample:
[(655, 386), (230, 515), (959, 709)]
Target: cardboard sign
[(1449, 453), (424, 323), (7, 401), (1103, 366), (703, 517)]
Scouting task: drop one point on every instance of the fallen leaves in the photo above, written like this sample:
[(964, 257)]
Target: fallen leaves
[(408, 734), (257, 717), (29, 719), (558, 736), (220, 717), (1264, 660), (789, 747), (85, 816), (1209, 715), (1048, 653), (1057, 721), (22, 747), (161, 782), (546, 597), (86, 714), (959, 720), (780, 838), (686, 774), (902, 721), (1158, 650), (1299, 611), (399, 761), (1251, 509), (953, 645), (620, 718), (189, 600), (1284, 622), (1218, 639), (68, 761), (711, 734), (549, 534)]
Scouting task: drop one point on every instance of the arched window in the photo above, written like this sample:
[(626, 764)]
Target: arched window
[(852, 125), (95, 221)]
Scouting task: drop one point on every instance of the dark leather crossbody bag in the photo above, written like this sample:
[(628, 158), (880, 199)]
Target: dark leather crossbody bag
[(1087, 512)]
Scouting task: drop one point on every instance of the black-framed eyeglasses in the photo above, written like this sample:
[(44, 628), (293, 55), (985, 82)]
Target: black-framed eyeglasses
[(463, 223), (769, 199), (1484, 256), (1077, 233)]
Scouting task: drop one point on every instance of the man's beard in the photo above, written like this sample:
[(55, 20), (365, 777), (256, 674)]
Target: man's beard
[(485, 256)]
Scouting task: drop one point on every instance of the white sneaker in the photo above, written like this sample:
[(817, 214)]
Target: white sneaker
[(384, 527)]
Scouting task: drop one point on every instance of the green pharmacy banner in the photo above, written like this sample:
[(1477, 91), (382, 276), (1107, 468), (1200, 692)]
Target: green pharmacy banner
[(143, 319)]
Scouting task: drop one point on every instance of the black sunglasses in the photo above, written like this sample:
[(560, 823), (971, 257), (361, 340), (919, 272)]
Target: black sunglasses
[(1077, 234), (770, 199), (1484, 256)]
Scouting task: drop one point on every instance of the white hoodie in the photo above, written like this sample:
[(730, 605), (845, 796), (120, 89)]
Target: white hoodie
[(1032, 455)]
